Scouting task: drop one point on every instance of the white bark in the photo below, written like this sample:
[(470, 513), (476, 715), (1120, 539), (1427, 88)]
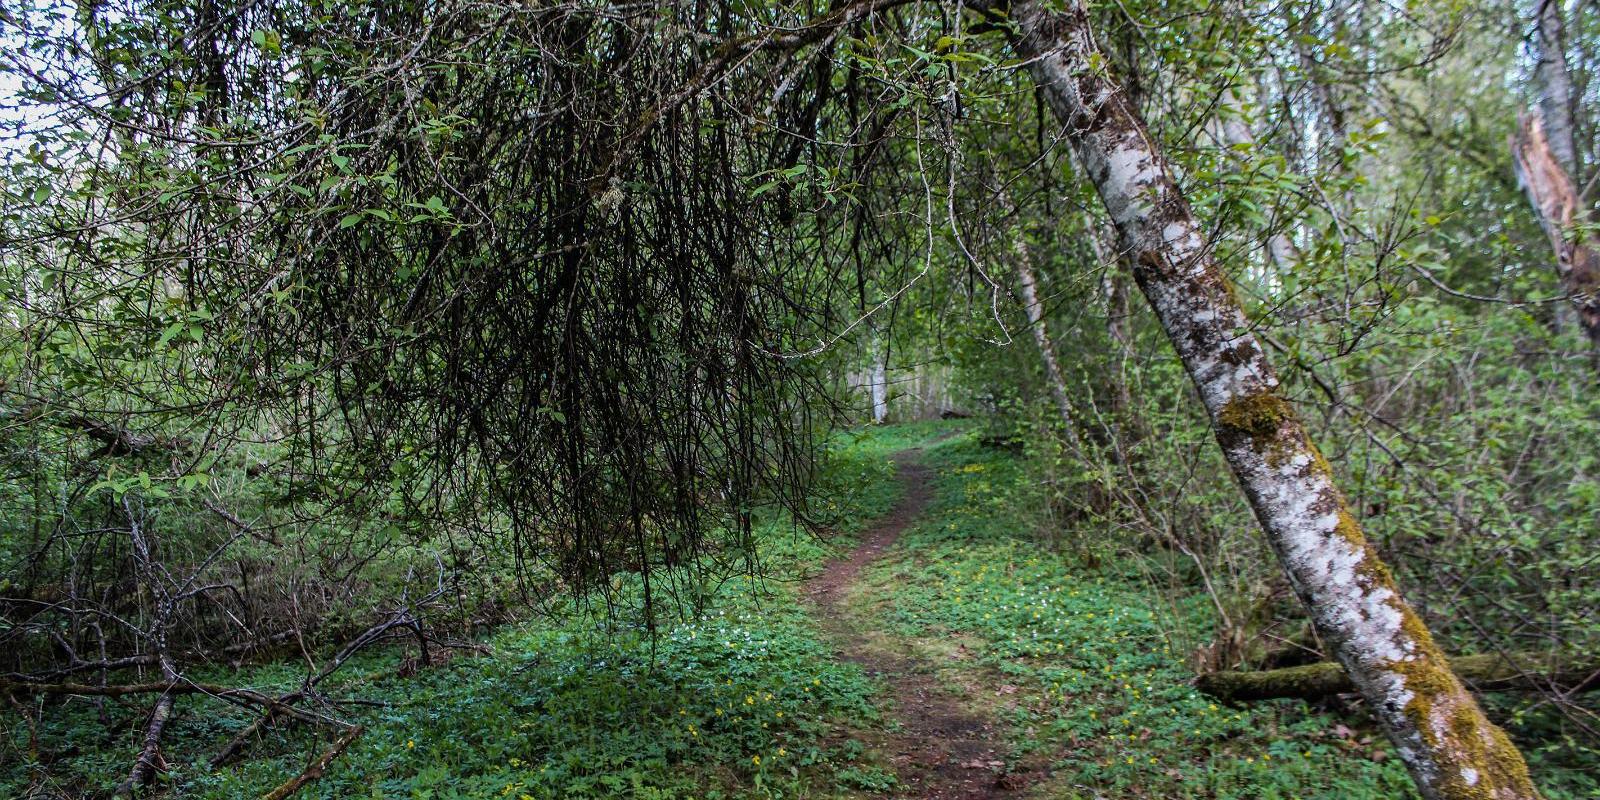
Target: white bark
[(1238, 136), (880, 389), (1451, 749), (1555, 200), (1555, 85), (1118, 318), (1029, 285)]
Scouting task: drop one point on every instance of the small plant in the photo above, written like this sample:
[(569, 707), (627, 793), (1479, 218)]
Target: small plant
[(869, 778)]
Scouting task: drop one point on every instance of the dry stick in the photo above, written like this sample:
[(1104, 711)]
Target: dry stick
[(317, 767), (168, 689), (149, 762), (401, 618), (1451, 749), (237, 744)]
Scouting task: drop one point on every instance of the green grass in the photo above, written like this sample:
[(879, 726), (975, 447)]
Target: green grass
[(745, 700), (1099, 691), (742, 700)]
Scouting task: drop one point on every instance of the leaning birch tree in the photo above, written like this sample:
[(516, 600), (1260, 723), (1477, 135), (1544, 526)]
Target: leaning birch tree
[(1451, 749)]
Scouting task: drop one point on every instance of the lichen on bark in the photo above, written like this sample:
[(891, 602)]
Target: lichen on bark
[(1452, 751)]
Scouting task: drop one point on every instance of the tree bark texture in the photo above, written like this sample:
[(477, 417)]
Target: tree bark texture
[(880, 388), (1555, 86), (1238, 136), (1555, 200), (1028, 284), (1451, 749)]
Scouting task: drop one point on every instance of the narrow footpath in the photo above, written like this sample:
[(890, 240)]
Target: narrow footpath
[(940, 747)]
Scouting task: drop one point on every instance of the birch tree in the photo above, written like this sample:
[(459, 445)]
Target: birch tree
[(1544, 151), (1449, 746), (1555, 84), (1555, 199)]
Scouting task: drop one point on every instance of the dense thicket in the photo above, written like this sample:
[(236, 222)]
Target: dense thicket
[(416, 274), (328, 323)]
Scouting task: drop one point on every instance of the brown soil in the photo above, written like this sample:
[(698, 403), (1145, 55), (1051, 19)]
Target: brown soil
[(942, 748)]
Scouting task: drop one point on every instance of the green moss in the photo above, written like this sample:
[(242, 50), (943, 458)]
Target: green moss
[(1349, 530), (1469, 739), (1319, 463), (1258, 416)]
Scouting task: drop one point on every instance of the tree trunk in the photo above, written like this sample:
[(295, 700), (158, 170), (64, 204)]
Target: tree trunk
[(1555, 200), (1028, 283), (1238, 136), (1128, 429), (880, 388), (1555, 86), (1451, 749), (1487, 672)]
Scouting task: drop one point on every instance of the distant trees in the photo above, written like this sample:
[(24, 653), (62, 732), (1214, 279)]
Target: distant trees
[(1562, 214)]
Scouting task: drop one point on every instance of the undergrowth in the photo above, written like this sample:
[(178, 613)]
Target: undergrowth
[(1091, 679), (744, 700), (741, 700)]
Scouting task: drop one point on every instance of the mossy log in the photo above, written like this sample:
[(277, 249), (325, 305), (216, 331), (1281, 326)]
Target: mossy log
[(1487, 672)]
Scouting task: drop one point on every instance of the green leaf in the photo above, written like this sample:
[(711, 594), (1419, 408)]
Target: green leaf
[(166, 335), (350, 220)]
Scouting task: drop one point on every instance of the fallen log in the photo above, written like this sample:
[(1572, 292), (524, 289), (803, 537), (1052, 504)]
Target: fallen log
[(1486, 672), (317, 767), (149, 763)]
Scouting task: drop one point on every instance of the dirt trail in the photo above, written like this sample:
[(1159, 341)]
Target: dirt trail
[(942, 749)]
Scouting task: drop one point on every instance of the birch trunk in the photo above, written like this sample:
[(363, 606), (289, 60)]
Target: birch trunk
[(880, 389), (1237, 135), (1451, 749), (1555, 200), (1029, 284), (1555, 86), (1114, 285)]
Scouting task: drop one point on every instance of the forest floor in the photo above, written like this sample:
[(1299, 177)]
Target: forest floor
[(943, 742), (948, 642)]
